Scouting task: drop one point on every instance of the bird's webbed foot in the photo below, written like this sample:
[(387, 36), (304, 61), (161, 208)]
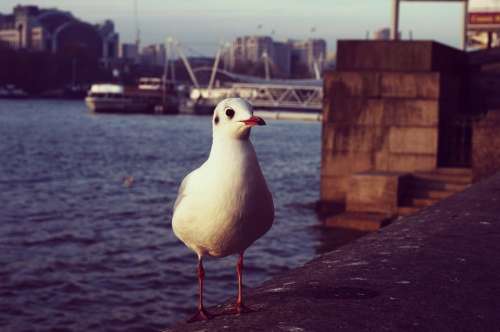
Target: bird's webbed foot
[(200, 315), (240, 308)]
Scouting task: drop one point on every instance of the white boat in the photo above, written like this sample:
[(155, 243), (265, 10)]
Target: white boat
[(10, 91), (147, 97)]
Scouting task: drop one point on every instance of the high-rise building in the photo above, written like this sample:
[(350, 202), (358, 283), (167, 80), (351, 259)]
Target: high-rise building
[(248, 50), (129, 51), (282, 58), (309, 53), (153, 55)]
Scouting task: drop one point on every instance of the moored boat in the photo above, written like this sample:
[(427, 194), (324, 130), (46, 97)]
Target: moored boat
[(10, 91), (150, 96)]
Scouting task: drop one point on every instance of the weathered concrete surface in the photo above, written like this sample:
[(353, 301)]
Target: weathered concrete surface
[(437, 270), (398, 133), (398, 56), (486, 145), (359, 221), (377, 192), (394, 107)]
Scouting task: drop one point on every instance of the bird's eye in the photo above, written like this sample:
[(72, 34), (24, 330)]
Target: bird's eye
[(230, 113)]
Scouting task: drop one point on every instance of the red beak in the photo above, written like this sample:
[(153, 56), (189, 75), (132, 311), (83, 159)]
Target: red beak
[(254, 121)]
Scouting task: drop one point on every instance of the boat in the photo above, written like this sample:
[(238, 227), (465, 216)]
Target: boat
[(75, 91), (202, 101), (10, 91), (149, 96)]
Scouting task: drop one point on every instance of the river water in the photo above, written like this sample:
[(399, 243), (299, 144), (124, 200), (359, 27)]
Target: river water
[(86, 202)]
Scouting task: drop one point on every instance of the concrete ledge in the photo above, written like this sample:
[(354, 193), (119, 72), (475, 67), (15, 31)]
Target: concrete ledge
[(359, 221), (376, 192), (434, 271), (402, 55)]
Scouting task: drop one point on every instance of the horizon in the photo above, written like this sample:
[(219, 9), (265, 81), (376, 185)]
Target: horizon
[(204, 27)]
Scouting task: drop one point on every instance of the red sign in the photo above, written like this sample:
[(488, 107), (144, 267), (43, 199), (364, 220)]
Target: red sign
[(485, 19)]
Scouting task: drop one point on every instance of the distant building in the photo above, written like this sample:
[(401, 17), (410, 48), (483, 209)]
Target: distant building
[(56, 31), (281, 55), (249, 49), (382, 34), (282, 58), (310, 53), (477, 39), (153, 55), (385, 34), (331, 59), (129, 52), (110, 40)]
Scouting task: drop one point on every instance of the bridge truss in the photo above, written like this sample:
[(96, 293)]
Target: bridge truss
[(262, 95)]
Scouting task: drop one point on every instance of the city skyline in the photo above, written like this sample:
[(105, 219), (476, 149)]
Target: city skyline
[(203, 27)]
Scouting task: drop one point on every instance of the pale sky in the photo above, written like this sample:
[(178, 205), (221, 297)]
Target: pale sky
[(203, 24)]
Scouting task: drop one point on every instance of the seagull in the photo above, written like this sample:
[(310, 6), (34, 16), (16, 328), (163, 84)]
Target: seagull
[(225, 205)]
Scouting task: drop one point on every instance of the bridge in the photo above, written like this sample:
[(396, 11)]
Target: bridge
[(293, 94), (301, 94), (270, 95), (254, 79)]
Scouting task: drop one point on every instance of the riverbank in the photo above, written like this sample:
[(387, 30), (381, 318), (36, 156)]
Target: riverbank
[(434, 271)]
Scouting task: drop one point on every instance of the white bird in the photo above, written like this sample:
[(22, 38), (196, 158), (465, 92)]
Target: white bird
[(225, 205)]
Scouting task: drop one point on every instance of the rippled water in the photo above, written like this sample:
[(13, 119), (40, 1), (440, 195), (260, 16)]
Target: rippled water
[(83, 248)]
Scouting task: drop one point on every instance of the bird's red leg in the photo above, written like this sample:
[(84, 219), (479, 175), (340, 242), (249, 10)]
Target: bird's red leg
[(201, 314), (240, 307)]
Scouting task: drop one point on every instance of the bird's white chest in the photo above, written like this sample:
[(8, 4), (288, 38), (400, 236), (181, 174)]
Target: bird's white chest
[(228, 206), (232, 193)]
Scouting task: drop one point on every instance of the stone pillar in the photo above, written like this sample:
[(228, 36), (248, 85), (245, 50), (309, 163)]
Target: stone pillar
[(382, 110)]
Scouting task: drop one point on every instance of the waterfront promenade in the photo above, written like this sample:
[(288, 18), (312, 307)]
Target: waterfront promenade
[(434, 271)]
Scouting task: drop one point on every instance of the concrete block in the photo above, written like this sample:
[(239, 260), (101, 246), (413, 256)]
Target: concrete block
[(381, 55), (413, 140), (410, 85), (327, 136), (333, 188), (356, 139), (357, 111), (384, 112), (414, 56), (327, 162), (382, 159), (365, 222), (374, 192), (344, 163), (410, 112), (353, 84), (401, 162), (327, 111)]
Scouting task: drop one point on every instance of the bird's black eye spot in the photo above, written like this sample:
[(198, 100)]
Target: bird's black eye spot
[(230, 113), (216, 120)]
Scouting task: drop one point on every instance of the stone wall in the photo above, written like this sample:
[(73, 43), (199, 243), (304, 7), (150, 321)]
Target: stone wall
[(382, 110), (403, 56), (486, 145)]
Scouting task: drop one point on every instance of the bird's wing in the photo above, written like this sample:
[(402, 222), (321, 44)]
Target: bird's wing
[(183, 189)]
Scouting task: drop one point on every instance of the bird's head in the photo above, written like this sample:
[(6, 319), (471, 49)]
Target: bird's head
[(233, 117)]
